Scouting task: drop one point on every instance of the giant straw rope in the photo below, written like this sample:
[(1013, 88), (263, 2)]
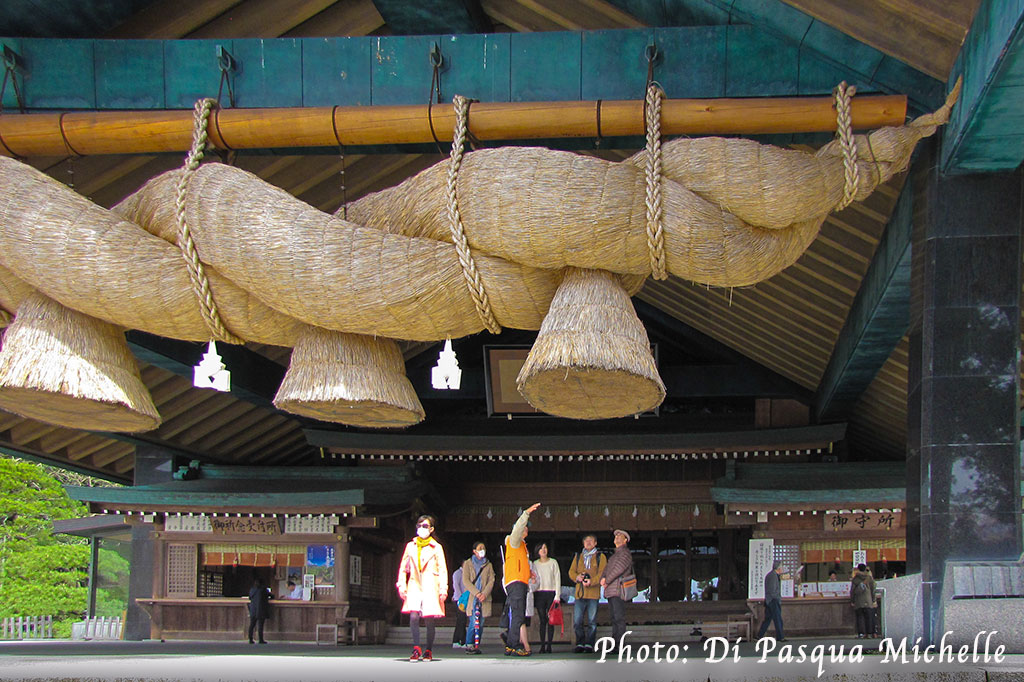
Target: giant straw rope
[(506, 221)]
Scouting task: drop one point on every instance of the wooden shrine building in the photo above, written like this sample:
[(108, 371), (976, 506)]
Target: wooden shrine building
[(853, 394)]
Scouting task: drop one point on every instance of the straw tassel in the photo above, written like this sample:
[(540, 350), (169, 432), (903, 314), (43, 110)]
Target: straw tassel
[(592, 359), (62, 367), (350, 379)]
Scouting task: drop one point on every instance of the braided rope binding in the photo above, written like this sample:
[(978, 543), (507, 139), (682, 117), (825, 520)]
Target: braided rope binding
[(196, 270), (844, 129), (655, 232), (469, 271)]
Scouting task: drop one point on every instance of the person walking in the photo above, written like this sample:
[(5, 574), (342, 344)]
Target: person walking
[(619, 566), (773, 601), (862, 597), (478, 578), (517, 580), (549, 588), (586, 570), (259, 608), (423, 585)]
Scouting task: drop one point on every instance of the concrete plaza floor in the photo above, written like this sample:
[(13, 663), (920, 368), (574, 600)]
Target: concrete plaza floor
[(228, 661)]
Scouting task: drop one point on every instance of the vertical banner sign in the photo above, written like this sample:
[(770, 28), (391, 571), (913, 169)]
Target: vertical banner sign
[(761, 557), (860, 556)]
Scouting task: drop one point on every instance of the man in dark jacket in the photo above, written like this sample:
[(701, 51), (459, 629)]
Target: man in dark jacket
[(862, 596), (259, 608), (773, 602)]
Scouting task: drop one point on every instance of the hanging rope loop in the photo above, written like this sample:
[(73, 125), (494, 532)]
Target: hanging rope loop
[(655, 231), (196, 270), (469, 270), (844, 130)]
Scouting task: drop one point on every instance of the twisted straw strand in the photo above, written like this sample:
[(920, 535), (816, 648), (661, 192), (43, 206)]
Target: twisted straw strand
[(655, 231), (196, 270), (844, 128), (469, 270)]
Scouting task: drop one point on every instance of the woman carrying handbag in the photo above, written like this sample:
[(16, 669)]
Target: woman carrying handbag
[(548, 593)]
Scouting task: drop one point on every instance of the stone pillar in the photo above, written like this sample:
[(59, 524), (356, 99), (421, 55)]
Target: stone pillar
[(152, 465), (963, 438)]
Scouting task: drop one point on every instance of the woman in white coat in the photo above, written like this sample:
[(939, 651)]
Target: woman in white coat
[(423, 585)]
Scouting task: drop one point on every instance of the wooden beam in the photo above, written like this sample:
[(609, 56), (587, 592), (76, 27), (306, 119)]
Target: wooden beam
[(926, 38), (111, 453), (240, 425), (220, 420), (260, 19), (877, 321), (344, 18), (422, 17), (171, 18), (985, 132), (232, 446), (143, 132), (85, 447), (29, 431)]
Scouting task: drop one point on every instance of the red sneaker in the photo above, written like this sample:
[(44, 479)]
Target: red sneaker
[(427, 656), (416, 654)]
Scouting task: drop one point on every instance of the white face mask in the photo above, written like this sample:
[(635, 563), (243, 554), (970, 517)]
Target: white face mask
[(481, 553), (423, 532)]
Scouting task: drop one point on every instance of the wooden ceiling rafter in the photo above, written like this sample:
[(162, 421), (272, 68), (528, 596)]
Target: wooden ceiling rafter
[(926, 34), (219, 420), (211, 442), (247, 445), (167, 19), (206, 407), (87, 446), (343, 18), (747, 304), (738, 338), (260, 19)]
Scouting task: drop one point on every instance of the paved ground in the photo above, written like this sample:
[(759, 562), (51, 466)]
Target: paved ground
[(156, 661)]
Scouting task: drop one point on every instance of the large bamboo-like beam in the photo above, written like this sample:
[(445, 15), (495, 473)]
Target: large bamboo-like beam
[(147, 132)]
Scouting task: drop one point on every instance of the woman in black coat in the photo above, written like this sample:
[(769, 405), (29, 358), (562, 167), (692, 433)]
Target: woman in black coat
[(259, 608)]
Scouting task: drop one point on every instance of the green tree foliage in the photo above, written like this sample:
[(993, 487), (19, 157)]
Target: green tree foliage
[(40, 573)]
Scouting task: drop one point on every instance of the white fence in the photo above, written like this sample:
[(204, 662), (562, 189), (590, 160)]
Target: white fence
[(27, 627), (98, 628)]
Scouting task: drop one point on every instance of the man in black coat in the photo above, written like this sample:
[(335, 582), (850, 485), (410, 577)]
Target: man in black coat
[(259, 608)]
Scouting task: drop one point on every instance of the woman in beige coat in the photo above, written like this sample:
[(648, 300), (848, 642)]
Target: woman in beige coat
[(423, 584), (478, 578)]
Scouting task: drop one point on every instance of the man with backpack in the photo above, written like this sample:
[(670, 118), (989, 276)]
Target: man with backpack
[(862, 596)]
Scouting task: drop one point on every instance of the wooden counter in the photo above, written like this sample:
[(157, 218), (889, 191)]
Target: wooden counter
[(227, 618), (811, 616)]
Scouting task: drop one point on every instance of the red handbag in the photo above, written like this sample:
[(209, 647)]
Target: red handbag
[(555, 616)]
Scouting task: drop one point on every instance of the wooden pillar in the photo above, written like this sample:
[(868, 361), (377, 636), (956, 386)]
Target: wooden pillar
[(341, 564)]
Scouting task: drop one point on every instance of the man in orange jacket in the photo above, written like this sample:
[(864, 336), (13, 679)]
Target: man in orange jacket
[(517, 580)]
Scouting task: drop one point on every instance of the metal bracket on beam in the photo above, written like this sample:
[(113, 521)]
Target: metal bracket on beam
[(14, 64), (228, 68), (12, 60)]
